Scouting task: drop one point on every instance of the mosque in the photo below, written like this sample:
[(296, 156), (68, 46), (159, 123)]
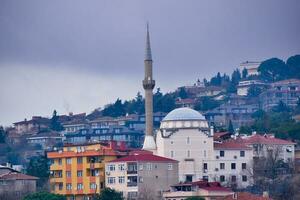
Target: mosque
[(186, 136)]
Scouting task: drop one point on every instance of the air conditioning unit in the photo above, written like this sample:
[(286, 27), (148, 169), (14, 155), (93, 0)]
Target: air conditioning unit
[(205, 170), (217, 169), (217, 157), (235, 157), (107, 173)]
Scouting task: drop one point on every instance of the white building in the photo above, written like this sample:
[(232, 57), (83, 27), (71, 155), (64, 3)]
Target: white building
[(251, 67), (243, 86), (185, 136), (140, 175)]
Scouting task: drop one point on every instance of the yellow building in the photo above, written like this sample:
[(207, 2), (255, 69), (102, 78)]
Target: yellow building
[(78, 171)]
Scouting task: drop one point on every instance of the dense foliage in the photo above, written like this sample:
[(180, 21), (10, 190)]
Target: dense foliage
[(109, 194), (55, 124), (39, 167), (44, 196), (279, 121), (2, 135)]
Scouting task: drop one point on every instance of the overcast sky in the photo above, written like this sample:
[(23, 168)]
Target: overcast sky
[(73, 55)]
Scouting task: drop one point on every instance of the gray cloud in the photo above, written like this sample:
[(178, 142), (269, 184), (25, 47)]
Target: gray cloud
[(190, 39)]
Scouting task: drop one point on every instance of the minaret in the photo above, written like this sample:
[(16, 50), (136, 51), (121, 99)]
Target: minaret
[(148, 84)]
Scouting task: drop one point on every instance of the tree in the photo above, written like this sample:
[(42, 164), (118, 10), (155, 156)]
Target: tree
[(244, 73), (254, 91), (216, 80), (39, 167), (293, 63), (195, 198), (44, 196), (273, 69), (2, 135), (206, 103), (182, 93), (109, 194), (230, 127), (55, 124)]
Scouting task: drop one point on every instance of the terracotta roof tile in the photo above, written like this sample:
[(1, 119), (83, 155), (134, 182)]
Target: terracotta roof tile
[(246, 196), (144, 157), (16, 176)]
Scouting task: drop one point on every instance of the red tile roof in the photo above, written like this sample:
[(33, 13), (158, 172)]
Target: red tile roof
[(209, 186), (144, 157), (245, 196), (231, 144), (16, 176), (265, 139)]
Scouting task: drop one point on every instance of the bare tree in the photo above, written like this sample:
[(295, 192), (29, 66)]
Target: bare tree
[(146, 193)]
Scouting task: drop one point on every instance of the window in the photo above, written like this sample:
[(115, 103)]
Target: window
[(170, 166), (205, 178), (121, 167), (69, 161), (111, 167), (242, 153), (121, 179), (222, 178), (59, 161), (141, 179), (79, 173), (141, 166), (79, 186), (244, 166), (79, 160), (172, 154), (188, 153), (233, 166), (188, 140), (244, 178), (69, 186), (94, 172), (111, 180), (68, 174), (205, 166), (222, 165), (149, 166), (93, 186), (60, 186), (188, 178), (233, 178), (222, 153)]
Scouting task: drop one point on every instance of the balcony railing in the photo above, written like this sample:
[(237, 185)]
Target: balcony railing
[(131, 184), (132, 172)]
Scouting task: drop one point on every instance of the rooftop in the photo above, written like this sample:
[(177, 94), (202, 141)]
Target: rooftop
[(231, 144), (265, 139), (183, 114), (143, 157), (16, 176), (245, 196)]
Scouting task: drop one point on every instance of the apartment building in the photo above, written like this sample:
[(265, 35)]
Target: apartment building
[(78, 171), (140, 175)]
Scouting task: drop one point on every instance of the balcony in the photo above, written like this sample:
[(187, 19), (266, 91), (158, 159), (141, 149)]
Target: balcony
[(132, 184), (132, 172)]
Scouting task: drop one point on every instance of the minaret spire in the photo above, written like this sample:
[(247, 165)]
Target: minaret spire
[(148, 84), (148, 55)]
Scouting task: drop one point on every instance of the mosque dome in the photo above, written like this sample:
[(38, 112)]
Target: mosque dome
[(183, 114), (184, 118)]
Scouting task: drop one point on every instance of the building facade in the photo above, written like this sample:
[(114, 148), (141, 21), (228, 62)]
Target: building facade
[(185, 136), (15, 185), (286, 91), (141, 175), (78, 171), (204, 189)]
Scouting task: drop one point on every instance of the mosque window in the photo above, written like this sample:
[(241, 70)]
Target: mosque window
[(172, 154), (188, 140)]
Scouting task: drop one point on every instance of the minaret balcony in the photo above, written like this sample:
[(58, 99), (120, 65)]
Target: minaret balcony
[(148, 84)]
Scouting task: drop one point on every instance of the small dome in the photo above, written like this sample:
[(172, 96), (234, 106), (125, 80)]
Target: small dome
[(183, 114)]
